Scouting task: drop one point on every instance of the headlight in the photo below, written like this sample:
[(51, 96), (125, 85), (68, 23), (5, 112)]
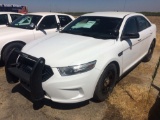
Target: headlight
[(72, 70)]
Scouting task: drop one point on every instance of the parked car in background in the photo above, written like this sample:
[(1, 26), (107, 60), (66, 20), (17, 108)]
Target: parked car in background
[(28, 28), (84, 60), (8, 17)]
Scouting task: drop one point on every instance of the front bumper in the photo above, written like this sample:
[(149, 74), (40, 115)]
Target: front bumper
[(62, 89), (29, 70), (71, 89)]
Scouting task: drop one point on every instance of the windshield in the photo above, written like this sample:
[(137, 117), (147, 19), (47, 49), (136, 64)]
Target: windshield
[(26, 21), (97, 27)]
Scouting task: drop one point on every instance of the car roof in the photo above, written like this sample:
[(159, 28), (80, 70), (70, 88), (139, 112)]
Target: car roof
[(111, 14), (10, 13), (46, 13)]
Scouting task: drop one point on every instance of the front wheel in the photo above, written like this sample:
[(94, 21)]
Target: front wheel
[(9, 47), (106, 83)]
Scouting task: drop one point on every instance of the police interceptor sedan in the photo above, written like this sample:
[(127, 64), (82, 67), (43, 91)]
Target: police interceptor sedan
[(84, 60)]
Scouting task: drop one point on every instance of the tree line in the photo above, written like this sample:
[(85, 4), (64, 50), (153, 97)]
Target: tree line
[(145, 13)]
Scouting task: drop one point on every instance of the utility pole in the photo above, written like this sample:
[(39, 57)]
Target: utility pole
[(124, 7)]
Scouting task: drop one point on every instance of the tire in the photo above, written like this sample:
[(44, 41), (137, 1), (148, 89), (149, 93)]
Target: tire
[(148, 57), (106, 83), (9, 47)]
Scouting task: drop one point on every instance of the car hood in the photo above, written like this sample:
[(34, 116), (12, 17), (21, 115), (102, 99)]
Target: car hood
[(9, 31), (65, 49)]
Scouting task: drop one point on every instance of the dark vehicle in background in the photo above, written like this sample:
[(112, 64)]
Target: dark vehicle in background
[(13, 8)]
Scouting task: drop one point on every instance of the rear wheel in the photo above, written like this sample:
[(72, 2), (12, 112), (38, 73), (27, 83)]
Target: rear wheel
[(9, 47), (106, 83), (148, 57)]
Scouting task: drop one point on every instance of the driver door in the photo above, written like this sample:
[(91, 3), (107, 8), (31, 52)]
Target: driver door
[(131, 46)]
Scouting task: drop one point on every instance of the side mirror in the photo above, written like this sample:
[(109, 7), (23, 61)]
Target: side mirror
[(130, 36)]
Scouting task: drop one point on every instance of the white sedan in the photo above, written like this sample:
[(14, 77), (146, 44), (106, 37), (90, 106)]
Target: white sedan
[(84, 60), (8, 17), (28, 28)]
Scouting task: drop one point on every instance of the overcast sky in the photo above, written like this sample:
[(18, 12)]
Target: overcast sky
[(87, 5)]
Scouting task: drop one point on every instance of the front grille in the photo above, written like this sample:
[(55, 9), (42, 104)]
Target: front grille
[(27, 65), (25, 68)]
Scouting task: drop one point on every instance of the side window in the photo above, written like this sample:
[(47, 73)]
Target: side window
[(142, 23), (15, 16), (64, 20), (131, 26), (49, 22), (3, 19), (25, 21)]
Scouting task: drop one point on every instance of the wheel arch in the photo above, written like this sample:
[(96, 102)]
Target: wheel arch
[(104, 72), (117, 66), (18, 41), (111, 62), (3, 48), (154, 41)]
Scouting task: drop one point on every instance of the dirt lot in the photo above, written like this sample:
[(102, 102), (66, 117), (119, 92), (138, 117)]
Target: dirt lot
[(130, 100)]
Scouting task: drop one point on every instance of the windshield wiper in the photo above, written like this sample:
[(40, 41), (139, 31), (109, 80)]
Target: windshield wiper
[(98, 35), (105, 36), (94, 35), (65, 31), (70, 32)]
